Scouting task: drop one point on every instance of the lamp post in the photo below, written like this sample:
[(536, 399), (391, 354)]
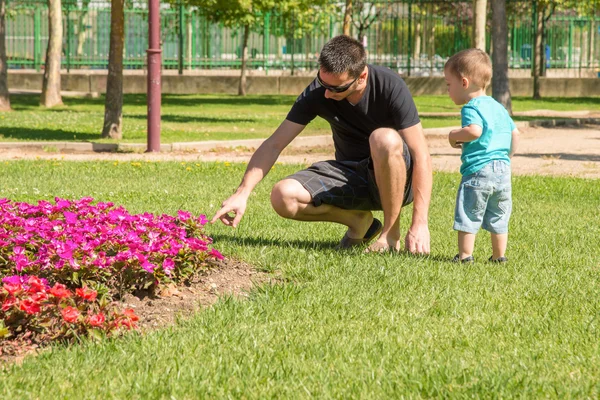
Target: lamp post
[(154, 84)]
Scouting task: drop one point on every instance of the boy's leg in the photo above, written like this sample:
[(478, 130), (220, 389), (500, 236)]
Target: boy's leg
[(466, 244), (499, 243)]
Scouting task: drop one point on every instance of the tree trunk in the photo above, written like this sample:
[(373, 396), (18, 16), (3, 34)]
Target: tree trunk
[(431, 46), (113, 106), (51, 84), (81, 26), (538, 50), (479, 19), (348, 17), (188, 42), (500, 83), (4, 95), (242, 88), (417, 36)]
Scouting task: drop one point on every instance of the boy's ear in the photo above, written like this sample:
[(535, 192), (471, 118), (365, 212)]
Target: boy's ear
[(465, 83)]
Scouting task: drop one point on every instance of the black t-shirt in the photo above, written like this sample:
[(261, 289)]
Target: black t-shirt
[(386, 103)]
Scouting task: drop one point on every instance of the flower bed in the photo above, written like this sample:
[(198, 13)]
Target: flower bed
[(63, 264)]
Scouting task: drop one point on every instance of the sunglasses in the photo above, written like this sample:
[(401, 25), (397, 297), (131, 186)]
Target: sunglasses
[(335, 89)]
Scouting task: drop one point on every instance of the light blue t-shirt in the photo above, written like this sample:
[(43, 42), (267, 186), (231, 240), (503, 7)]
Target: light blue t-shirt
[(496, 137)]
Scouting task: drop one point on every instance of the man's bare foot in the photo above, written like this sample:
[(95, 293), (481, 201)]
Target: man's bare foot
[(383, 246), (359, 228)]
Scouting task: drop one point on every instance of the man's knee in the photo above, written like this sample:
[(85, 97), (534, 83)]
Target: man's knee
[(386, 142), (285, 197)]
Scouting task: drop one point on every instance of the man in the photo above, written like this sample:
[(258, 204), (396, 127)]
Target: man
[(382, 160)]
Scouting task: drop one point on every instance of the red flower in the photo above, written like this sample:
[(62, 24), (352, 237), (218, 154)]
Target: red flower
[(38, 297), (130, 314), (9, 303), (96, 320), (30, 306), (70, 314), (36, 284), (86, 294), (13, 288), (60, 291)]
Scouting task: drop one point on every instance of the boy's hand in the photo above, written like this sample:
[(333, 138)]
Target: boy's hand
[(454, 143)]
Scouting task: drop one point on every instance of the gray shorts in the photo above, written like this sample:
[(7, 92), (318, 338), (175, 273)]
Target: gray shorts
[(349, 184)]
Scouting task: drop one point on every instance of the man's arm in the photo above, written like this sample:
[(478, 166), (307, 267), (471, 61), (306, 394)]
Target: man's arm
[(417, 238), (258, 167)]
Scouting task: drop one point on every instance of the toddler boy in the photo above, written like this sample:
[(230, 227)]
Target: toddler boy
[(488, 139)]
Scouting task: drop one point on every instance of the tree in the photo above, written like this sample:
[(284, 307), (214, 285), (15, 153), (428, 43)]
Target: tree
[(244, 14), (81, 26), (364, 14), (249, 15), (4, 95), (479, 21), (500, 83), (113, 106), (347, 18), (51, 84)]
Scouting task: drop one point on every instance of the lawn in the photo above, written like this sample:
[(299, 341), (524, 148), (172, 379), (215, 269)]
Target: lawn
[(344, 325), (197, 118)]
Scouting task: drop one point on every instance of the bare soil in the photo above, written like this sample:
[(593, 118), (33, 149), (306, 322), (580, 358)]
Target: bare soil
[(225, 278)]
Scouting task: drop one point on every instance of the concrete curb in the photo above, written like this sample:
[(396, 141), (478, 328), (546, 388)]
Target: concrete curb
[(302, 141)]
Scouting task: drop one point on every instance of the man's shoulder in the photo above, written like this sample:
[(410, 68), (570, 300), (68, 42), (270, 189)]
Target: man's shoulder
[(384, 73)]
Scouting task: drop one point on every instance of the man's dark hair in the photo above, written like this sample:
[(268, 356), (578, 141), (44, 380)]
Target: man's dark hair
[(343, 54)]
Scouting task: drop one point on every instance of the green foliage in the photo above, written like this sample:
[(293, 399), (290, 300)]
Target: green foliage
[(299, 16)]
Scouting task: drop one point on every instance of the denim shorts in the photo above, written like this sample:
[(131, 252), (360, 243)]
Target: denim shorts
[(484, 199)]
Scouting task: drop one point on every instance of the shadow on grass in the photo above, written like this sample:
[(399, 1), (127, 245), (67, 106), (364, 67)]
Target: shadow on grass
[(571, 100), (563, 156), (315, 245), (192, 118), (258, 241), (47, 134), (32, 101)]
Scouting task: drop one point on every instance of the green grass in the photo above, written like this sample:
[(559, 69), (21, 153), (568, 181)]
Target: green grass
[(344, 325), (206, 117)]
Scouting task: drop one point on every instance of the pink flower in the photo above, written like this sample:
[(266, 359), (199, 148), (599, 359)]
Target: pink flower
[(168, 265), (70, 217), (215, 253), (183, 215), (202, 220), (70, 314), (148, 266)]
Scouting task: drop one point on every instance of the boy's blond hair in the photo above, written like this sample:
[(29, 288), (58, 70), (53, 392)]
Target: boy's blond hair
[(473, 64)]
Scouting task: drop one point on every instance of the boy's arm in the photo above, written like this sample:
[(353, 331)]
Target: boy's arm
[(464, 135), (514, 142)]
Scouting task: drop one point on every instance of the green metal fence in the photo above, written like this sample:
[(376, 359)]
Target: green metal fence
[(411, 37)]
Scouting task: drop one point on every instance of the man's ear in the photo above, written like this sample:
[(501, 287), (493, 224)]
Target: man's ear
[(363, 76)]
